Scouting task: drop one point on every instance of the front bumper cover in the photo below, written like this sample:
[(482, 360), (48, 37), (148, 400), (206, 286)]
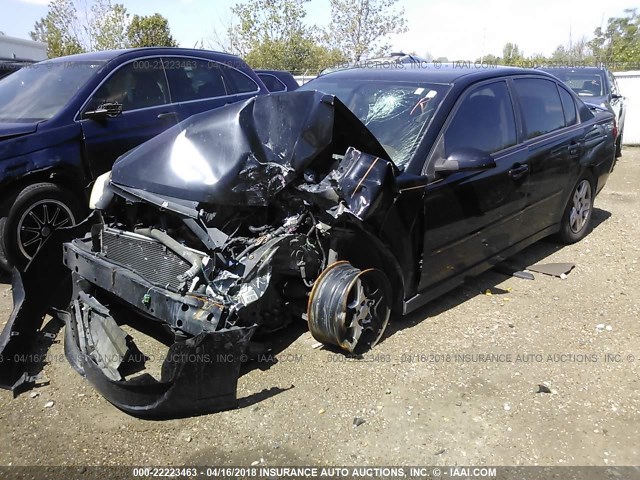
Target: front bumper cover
[(199, 375)]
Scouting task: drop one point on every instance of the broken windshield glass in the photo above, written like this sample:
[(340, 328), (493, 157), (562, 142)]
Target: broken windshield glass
[(397, 113)]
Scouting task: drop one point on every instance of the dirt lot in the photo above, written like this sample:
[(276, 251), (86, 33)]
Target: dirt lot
[(417, 399)]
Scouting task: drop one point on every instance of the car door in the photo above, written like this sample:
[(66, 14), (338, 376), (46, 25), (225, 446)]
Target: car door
[(140, 86), (471, 216), (554, 145)]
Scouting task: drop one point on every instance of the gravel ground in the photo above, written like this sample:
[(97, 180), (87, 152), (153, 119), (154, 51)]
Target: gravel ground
[(415, 398)]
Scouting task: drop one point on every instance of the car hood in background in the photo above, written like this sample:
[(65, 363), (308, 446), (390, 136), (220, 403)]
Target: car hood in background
[(8, 130), (600, 101), (245, 153)]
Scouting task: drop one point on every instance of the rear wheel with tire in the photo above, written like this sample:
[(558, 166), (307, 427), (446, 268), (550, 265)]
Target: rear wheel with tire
[(576, 221), (37, 211)]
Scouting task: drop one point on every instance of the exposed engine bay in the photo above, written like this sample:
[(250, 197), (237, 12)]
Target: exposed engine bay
[(233, 224)]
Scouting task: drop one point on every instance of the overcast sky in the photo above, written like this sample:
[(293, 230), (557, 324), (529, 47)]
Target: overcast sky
[(457, 29)]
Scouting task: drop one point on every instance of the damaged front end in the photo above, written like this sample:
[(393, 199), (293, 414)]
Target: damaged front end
[(225, 228)]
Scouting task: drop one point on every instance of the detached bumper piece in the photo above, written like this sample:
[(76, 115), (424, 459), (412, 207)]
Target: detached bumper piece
[(199, 374), (34, 295)]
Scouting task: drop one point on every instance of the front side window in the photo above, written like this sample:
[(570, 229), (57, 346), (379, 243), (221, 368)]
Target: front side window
[(484, 121), (541, 106), (135, 85), (38, 92), (192, 79)]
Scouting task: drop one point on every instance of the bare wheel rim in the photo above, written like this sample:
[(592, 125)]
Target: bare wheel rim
[(581, 207), (39, 221), (365, 304), (349, 307)]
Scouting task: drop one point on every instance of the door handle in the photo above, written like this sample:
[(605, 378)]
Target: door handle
[(164, 115), (574, 149), (518, 171)]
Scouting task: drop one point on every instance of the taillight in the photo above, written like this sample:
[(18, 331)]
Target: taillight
[(615, 129)]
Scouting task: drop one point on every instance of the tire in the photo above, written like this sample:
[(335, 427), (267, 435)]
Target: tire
[(576, 220), (4, 263), (37, 211)]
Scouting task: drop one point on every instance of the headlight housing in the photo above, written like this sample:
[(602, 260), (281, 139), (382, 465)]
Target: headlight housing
[(98, 189)]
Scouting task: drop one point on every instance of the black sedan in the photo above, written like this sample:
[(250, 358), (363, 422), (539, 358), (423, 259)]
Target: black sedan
[(366, 191)]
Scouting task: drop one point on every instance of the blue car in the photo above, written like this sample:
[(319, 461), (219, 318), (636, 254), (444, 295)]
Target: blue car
[(64, 121), (278, 80)]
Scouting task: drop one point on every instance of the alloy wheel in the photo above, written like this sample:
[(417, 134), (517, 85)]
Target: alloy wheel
[(39, 221), (581, 208)]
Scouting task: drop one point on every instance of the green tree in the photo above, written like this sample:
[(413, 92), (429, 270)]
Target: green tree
[(272, 34), (511, 54), (537, 60), (108, 26), (577, 52), (620, 40), (300, 55), (489, 59), (560, 55), (359, 27), (59, 29), (150, 31), (266, 22)]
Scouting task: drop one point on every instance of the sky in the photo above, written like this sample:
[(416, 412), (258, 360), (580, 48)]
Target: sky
[(457, 29)]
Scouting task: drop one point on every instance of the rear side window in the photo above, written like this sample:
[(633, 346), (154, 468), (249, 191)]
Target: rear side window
[(541, 106), (484, 121), (272, 83), (240, 83), (569, 107), (193, 79)]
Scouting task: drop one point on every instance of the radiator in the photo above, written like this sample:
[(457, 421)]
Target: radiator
[(147, 257)]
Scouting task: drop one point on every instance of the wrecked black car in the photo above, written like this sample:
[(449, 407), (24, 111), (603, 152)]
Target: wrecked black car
[(295, 207)]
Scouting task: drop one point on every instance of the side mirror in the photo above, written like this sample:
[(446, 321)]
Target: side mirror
[(463, 159), (104, 111), (615, 96)]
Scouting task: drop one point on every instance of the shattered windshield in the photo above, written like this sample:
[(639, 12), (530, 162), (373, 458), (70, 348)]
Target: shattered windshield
[(397, 113)]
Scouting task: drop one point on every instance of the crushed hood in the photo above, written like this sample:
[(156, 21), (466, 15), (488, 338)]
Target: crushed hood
[(246, 152)]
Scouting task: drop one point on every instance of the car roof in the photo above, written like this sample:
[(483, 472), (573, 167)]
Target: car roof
[(435, 73), (106, 55), (272, 72), (573, 69)]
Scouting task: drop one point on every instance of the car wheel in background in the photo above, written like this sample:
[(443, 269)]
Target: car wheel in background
[(576, 220), (38, 210), (619, 146)]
